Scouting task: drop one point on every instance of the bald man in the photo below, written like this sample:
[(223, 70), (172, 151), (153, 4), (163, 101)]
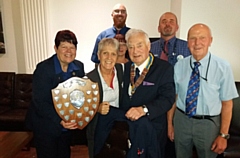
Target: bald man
[(203, 107), (168, 47), (171, 49), (118, 30)]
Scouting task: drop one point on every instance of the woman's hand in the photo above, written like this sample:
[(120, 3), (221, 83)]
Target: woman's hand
[(104, 108), (69, 125)]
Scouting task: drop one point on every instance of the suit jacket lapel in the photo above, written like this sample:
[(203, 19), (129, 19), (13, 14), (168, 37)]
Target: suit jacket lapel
[(94, 76), (139, 89), (120, 79)]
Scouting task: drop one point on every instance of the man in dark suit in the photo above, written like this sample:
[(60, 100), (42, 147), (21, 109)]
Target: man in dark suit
[(109, 75), (151, 94)]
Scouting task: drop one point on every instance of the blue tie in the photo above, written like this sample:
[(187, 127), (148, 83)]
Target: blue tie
[(192, 92), (137, 74)]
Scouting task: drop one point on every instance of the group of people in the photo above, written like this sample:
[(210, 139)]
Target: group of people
[(169, 90)]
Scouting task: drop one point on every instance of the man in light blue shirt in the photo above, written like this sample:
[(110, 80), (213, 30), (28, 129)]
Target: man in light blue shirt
[(207, 130)]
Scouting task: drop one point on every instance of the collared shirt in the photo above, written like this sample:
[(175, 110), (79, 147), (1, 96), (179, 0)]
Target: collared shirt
[(109, 33), (177, 49), (219, 86), (58, 68), (110, 95), (140, 67)]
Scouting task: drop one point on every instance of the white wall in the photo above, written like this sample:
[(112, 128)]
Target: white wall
[(223, 19), (88, 18)]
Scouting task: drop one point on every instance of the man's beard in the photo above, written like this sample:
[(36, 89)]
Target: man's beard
[(119, 24), (168, 32)]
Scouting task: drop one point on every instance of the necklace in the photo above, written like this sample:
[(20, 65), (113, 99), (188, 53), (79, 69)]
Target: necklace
[(142, 76)]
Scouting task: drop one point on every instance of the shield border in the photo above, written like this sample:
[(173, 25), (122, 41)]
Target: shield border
[(62, 101)]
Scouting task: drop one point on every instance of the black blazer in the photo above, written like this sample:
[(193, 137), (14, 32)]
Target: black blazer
[(157, 91), (41, 116), (94, 77)]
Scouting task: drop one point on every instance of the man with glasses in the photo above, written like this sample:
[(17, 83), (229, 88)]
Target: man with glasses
[(118, 30)]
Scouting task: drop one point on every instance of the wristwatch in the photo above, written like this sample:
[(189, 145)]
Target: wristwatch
[(145, 109), (226, 136)]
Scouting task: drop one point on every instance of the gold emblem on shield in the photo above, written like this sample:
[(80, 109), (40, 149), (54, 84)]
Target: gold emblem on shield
[(76, 100)]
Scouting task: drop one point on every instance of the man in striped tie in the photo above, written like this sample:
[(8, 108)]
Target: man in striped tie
[(203, 108)]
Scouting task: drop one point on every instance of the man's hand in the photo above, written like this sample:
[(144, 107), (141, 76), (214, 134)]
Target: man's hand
[(69, 125), (135, 113), (219, 145), (104, 108), (171, 132), (170, 114)]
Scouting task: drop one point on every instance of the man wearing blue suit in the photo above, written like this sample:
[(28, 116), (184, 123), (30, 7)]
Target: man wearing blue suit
[(151, 93)]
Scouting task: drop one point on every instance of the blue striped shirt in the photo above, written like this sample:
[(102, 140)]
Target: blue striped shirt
[(176, 49)]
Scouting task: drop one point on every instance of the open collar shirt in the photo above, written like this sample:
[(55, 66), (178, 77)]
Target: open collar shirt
[(58, 68), (110, 95)]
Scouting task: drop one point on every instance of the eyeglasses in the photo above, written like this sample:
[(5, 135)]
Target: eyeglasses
[(118, 11)]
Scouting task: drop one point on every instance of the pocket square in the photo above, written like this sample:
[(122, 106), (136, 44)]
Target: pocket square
[(145, 83)]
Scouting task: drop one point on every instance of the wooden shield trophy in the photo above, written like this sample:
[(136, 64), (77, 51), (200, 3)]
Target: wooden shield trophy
[(76, 100)]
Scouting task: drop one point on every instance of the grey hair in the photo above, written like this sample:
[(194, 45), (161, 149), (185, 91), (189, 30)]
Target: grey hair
[(132, 32), (108, 41)]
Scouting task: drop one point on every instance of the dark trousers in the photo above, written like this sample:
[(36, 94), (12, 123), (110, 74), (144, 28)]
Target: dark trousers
[(143, 137), (161, 129), (52, 146), (170, 149)]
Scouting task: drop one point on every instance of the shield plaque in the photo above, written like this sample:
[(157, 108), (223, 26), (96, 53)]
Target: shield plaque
[(76, 100)]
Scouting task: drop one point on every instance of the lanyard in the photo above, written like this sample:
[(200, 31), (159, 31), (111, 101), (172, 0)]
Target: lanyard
[(209, 59)]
